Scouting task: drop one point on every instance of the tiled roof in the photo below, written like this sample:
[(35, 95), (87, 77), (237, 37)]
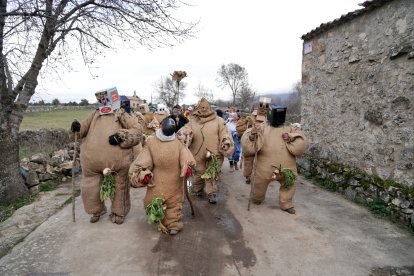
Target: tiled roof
[(367, 6)]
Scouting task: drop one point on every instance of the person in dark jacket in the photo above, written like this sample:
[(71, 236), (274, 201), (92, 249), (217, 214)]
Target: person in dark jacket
[(179, 119)]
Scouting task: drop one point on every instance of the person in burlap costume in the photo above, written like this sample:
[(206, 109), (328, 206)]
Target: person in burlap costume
[(151, 124), (107, 142), (276, 146), (161, 113), (207, 132), (241, 127), (161, 166), (125, 104)]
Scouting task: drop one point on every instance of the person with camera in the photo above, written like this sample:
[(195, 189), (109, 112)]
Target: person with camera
[(107, 141), (179, 119)]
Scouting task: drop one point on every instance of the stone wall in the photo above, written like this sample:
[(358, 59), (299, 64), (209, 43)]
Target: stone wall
[(46, 108), (57, 167), (385, 197), (358, 93), (38, 140)]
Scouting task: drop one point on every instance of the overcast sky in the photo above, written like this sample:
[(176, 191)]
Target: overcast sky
[(263, 36)]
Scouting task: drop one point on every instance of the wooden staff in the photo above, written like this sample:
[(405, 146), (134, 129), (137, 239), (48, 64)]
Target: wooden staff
[(73, 176), (185, 182)]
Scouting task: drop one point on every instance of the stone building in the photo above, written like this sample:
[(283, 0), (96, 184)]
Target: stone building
[(134, 100), (358, 90)]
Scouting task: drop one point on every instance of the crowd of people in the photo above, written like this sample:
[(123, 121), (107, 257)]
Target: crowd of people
[(160, 151)]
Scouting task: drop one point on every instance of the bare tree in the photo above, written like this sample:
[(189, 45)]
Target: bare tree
[(222, 103), (233, 76), (37, 33), (167, 91), (294, 102), (245, 97), (202, 91)]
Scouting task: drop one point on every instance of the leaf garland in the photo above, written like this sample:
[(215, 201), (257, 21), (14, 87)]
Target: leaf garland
[(213, 170), (289, 178), (108, 187), (156, 212)]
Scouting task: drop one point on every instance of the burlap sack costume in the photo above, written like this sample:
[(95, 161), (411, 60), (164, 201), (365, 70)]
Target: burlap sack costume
[(97, 154), (150, 121), (161, 114), (141, 120), (242, 125), (273, 150), (209, 132), (166, 162)]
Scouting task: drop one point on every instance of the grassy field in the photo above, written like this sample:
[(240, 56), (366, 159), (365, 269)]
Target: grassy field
[(53, 119)]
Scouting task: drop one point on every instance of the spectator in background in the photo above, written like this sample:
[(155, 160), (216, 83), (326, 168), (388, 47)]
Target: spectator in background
[(219, 113), (187, 112), (179, 119), (231, 125)]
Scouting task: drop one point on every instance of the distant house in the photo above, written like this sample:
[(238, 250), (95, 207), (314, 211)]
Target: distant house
[(134, 100)]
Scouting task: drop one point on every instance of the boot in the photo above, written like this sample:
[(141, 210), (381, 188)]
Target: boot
[(247, 180), (117, 219), (95, 217), (235, 166), (231, 166), (212, 198), (291, 210), (173, 232)]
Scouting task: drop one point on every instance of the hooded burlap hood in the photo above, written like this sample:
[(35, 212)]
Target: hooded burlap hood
[(203, 112)]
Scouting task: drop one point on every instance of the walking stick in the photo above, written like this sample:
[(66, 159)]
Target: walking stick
[(185, 183), (75, 150), (254, 171), (187, 195), (241, 160)]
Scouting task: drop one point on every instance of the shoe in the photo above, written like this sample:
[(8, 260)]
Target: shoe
[(173, 232), (117, 219), (248, 180), (291, 210), (235, 166), (257, 202), (199, 193), (95, 217), (212, 199)]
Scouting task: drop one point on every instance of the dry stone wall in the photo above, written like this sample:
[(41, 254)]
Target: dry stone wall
[(358, 93), (57, 167), (47, 108)]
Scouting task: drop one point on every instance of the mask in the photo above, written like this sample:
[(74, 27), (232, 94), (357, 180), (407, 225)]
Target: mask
[(108, 101)]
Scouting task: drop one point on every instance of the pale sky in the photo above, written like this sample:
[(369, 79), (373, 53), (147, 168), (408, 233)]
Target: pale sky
[(263, 36)]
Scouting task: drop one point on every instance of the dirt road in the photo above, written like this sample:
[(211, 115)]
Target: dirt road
[(328, 236)]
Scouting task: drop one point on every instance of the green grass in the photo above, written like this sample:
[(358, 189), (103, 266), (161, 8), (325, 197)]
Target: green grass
[(379, 207), (48, 186), (52, 119)]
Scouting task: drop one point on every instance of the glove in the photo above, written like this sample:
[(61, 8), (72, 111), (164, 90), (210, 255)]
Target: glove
[(145, 180), (115, 139), (188, 172), (75, 127)]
